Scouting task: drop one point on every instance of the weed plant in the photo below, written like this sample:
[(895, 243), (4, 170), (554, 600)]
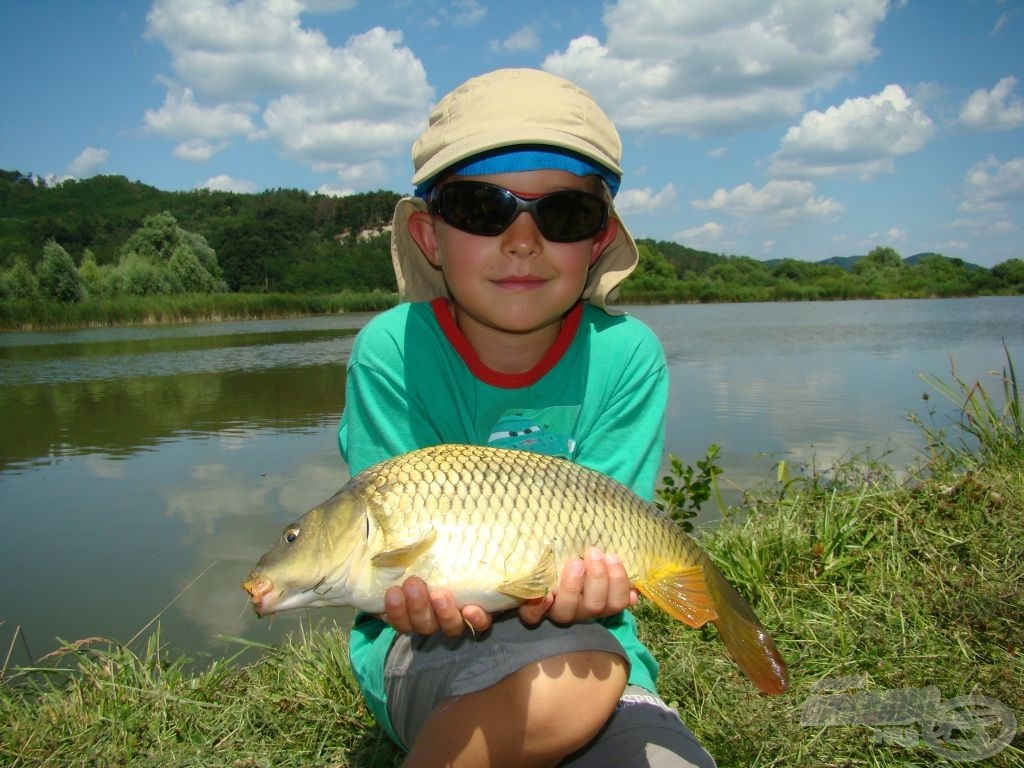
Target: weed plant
[(870, 586)]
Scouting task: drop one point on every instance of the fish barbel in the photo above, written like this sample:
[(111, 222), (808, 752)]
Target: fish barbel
[(495, 526)]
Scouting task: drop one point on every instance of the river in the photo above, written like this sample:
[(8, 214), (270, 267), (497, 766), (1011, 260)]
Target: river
[(143, 470)]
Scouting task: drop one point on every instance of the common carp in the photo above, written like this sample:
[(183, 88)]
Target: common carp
[(495, 526)]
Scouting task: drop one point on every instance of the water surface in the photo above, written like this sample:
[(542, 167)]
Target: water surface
[(143, 470)]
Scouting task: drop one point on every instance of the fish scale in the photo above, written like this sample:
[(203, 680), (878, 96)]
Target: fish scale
[(495, 526)]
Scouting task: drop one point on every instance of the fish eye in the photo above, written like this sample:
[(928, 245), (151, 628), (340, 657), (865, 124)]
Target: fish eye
[(291, 534)]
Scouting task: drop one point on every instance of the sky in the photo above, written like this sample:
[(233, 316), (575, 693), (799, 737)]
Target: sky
[(768, 128)]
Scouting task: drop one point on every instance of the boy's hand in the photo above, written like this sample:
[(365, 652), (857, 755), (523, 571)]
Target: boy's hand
[(591, 588), (414, 608)]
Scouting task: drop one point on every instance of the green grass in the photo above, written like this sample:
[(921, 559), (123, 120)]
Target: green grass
[(866, 583)]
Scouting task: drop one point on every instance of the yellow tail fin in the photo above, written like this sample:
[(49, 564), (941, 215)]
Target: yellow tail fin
[(698, 594)]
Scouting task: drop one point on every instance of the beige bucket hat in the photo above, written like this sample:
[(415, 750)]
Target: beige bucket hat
[(509, 108)]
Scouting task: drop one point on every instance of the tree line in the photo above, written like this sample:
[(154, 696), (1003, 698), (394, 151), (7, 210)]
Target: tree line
[(109, 237)]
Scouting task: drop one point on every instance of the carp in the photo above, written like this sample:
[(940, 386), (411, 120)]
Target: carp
[(495, 526)]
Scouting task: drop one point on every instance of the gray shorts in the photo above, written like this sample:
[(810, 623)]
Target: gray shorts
[(422, 671)]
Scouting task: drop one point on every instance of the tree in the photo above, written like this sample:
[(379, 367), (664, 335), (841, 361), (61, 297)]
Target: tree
[(19, 282), (57, 276), (884, 257), (1010, 273), (94, 277), (653, 272), (161, 257)]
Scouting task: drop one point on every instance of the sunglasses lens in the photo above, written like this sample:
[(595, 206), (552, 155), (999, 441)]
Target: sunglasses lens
[(488, 210), (480, 209), (564, 217)]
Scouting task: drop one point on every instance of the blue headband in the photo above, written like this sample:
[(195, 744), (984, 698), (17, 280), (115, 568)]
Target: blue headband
[(516, 159)]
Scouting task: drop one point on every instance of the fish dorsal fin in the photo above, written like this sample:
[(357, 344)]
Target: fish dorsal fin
[(403, 556), (682, 593), (537, 582)]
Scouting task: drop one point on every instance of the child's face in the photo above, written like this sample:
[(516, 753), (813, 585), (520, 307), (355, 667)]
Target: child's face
[(516, 281)]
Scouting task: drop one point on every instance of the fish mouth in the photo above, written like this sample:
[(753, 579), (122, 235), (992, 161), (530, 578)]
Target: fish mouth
[(265, 599), (260, 589)]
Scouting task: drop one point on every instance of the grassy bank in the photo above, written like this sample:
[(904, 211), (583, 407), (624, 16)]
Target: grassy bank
[(185, 308), (869, 586)]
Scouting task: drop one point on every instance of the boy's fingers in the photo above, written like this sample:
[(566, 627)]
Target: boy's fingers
[(620, 593), (395, 612), (418, 607), (595, 585), (476, 617), (532, 611), (449, 618), (565, 607)]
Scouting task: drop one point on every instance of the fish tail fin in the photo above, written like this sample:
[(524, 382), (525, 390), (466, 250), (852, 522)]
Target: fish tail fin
[(749, 643), (698, 594)]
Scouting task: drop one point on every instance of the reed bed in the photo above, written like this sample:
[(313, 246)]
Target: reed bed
[(185, 308)]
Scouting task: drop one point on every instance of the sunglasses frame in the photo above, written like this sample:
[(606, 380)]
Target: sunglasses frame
[(529, 205)]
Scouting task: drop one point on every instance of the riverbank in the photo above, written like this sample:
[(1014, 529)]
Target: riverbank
[(869, 585), (25, 315), (34, 315)]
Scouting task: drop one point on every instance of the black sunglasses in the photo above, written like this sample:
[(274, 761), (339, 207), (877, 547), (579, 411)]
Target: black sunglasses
[(566, 216)]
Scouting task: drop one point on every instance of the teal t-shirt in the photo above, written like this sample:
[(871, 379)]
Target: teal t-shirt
[(597, 398)]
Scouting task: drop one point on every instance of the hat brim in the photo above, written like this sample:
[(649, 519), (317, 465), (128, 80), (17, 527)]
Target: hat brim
[(419, 280)]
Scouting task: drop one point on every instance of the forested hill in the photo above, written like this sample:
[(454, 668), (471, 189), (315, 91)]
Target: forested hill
[(281, 240), (292, 241)]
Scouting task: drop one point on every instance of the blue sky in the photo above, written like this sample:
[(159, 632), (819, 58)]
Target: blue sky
[(769, 128)]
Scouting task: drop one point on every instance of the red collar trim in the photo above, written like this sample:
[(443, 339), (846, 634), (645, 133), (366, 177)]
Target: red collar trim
[(487, 375)]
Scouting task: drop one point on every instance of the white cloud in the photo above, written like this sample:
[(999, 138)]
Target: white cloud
[(713, 67), (332, 191), (995, 110), (224, 183), (708, 232), (182, 117), (328, 6), (375, 108), (526, 39), (779, 202), (897, 235), (198, 150), (331, 107), (986, 225), (88, 162), (1004, 18), (464, 13), (991, 184), (240, 50), (859, 138), (645, 200), (362, 175)]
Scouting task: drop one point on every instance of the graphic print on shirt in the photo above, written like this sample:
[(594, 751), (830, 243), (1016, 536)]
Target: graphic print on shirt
[(544, 430)]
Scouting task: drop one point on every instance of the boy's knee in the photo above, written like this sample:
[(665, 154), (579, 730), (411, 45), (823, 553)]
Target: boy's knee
[(535, 716), (571, 698)]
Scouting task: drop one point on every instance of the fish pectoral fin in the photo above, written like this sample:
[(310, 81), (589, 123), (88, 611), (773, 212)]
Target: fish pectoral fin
[(405, 555), (682, 593), (535, 583)]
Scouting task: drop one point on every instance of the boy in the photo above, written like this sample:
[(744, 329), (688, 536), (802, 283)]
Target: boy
[(507, 256)]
